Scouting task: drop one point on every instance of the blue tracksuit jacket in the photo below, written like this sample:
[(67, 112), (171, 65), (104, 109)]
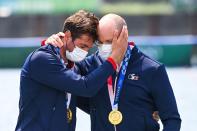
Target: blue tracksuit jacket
[(43, 83), (139, 97)]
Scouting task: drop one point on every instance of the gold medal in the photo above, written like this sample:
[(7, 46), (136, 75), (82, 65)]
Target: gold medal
[(69, 115), (115, 117)]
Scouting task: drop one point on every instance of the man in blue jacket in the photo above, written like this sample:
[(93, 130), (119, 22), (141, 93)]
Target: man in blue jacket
[(130, 96), (47, 81)]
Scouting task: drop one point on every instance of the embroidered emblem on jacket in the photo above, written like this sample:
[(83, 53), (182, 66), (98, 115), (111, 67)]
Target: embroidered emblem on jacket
[(133, 77)]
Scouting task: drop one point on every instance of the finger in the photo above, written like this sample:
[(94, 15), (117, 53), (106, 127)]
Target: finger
[(61, 34), (57, 38), (59, 41), (53, 42), (115, 36), (51, 38), (48, 41), (122, 33), (114, 40), (125, 39), (126, 32)]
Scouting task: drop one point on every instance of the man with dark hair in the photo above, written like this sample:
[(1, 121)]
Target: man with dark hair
[(131, 95), (79, 24), (49, 82)]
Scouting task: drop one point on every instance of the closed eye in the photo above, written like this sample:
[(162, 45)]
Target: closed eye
[(108, 41)]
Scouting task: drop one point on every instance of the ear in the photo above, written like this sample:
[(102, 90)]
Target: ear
[(67, 35)]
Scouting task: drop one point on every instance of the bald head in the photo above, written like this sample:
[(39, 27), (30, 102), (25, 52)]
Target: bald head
[(114, 20), (107, 26)]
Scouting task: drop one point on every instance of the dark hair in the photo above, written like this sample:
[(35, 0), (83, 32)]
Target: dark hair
[(82, 22)]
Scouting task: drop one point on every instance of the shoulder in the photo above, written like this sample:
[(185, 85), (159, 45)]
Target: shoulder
[(37, 55), (44, 59), (43, 54), (143, 61), (150, 63), (149, 66), (151, 70)]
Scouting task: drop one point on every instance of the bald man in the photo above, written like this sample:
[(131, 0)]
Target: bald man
[(131, 95)]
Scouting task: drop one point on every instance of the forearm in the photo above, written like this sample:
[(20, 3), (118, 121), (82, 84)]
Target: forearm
[(46, 69), (95, 80)]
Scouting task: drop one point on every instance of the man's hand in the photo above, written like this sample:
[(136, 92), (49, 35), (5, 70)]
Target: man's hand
[(119, 45), (156, 115), (55, 40)]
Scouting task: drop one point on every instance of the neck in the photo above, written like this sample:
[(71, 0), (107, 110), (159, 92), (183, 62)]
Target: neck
[(63, 54)]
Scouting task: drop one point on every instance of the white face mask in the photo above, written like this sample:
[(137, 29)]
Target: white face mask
[(76, 55), (105, 50)]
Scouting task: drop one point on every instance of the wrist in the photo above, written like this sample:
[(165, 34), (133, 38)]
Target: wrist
[(113, 62), (43, 42), (115, 58)]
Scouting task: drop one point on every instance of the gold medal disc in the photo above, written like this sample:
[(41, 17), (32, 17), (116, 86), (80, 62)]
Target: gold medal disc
[(115, 117), (69, 115)]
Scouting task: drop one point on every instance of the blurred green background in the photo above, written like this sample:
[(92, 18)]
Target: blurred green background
[(164, 29), (101, 6)]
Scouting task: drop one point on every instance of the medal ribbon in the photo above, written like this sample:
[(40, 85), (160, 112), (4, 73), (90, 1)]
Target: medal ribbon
[(110, 90), (68, 100), (114, 95)]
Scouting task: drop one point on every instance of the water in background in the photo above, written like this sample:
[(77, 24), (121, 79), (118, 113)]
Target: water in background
[(183, 80)]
